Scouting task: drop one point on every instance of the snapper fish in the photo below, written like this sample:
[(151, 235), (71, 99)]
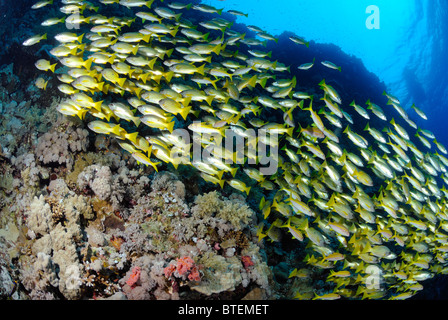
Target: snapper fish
[(41, 83), (306, 66), (41, 4), (34, 40), (331, 65)]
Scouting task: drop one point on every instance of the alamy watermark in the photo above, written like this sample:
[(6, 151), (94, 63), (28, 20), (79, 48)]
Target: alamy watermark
[(373, 20), (374, 279)]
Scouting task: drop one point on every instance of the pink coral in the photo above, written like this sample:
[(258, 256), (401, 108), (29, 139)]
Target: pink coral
[(135, 275), (194, 274), (169, 270), (183, 266)]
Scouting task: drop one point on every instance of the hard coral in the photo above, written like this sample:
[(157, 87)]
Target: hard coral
[(184, 265)]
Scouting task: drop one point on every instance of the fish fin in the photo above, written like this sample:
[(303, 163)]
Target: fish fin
[(134, 51), (170, 126), (186, 101), (82, 113), (132, 137), (52, 67), (136, 121), (97, 105), (200, 69), (88, 63), (116, 130), (253, 81), (174, 31), (138, 91), (184, 113), (149, 3), (367, 127), (217, 49), (168, 76), (100, 87), (121, 81)]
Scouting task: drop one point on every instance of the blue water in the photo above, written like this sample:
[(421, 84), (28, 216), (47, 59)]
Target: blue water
[(408, 52)]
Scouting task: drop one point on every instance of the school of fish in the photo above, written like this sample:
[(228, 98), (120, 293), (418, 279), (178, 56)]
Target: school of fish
[(369, 206)]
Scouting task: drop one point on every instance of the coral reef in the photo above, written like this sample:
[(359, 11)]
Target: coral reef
[(78, 222)]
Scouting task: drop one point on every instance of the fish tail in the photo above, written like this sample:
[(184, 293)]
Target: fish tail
[(184, 112), (121, 81), (169, 52), (200, 69), (134, 51), (143, 77), (138, 92), (136, 121), (253, 81), (81, 113), (174, 31), (106, 88), (116, 130), (217, 49), (100, 88), (80, 38), (88, 63), (169, 75), (170, 126), (154, 165), (132, 137), (52, 67), (149, 3), (152, 62), (367, 127), (97, 105)]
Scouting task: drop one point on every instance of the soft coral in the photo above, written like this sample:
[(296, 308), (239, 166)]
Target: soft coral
[(135, 275)]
